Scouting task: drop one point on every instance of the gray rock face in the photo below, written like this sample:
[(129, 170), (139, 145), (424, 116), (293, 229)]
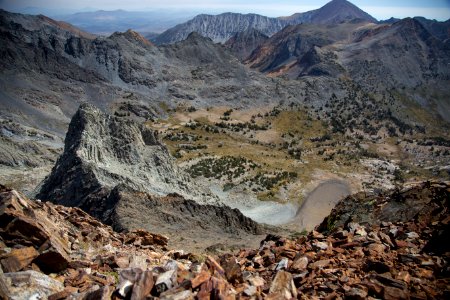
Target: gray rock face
[(103, 151), (31, 285), (171, 214), (221, 27), (117, 170)]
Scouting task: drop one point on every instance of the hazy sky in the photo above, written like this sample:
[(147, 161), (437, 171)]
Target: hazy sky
[(380, 9)]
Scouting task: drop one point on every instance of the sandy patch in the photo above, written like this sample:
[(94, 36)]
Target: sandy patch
[(319, 204)]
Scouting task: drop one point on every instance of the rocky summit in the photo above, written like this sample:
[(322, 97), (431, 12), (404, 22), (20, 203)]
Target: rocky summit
[(103, 151), (55, 252)]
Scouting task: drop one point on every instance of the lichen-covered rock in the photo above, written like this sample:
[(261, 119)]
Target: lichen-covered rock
[(31, 285)]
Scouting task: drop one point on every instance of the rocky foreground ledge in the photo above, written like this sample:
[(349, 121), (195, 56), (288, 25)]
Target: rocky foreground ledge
[(54, 252)]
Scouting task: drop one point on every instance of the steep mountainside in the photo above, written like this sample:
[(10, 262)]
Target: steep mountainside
[(49, 68), (221, 27), (287, 47), (119, 172), (441, 30), (243, 43), (334, 12), (401, 56)]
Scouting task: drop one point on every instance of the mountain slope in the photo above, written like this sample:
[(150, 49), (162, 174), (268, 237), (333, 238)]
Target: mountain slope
[(221, 27), (243, 43), (440, 30), (43, 60), (404, 53), (288, 46)]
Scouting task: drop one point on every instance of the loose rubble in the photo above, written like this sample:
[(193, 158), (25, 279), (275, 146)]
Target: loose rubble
[(54, 252)]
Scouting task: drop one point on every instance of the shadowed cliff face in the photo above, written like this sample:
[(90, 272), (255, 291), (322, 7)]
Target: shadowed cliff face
[(243, 43)]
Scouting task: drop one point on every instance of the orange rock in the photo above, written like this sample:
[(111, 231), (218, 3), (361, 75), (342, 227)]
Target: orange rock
[(18, 259), (200, 279)]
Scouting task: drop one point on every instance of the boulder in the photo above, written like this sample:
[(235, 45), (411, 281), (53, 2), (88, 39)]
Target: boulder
[(31, 285)]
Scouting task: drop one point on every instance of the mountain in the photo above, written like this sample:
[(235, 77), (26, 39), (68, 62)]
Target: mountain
[(440, 30), (243, 43), (284, 49), (334, 12), (405, 52), (221, 27), (391, 20), (403, 57), (125, 153), (402, 54), (118, 171), (48, 68)]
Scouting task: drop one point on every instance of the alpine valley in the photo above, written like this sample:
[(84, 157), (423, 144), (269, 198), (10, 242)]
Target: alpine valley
[(298, 157)]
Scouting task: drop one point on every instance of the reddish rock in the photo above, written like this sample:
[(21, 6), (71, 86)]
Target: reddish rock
[(356, 293), (214, 266), (320, 264), (200, 278), (299, 264), (232, 269), (18, 259), (145, 238)]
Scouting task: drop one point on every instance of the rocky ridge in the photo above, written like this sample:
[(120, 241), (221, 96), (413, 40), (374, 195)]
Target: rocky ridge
[(222, 27), (118, 171), (103, 151), (59, 252)]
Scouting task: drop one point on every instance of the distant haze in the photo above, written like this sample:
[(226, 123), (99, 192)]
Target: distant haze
[(380, 9)]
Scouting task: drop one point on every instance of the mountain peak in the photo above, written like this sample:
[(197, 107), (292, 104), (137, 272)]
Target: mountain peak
[(337, 11), (195, 36), (133, 36), (334, 12)]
